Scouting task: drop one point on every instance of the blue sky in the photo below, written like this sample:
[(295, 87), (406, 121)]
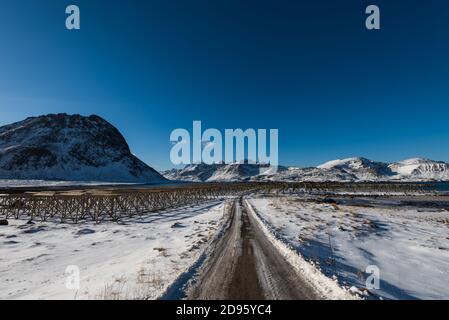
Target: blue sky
[(307, 68)]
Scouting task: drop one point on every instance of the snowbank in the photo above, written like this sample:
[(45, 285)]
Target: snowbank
[(410, 246), (138, 259)]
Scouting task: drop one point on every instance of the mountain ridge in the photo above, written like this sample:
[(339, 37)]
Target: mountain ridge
[(345, 170), (79, 148)]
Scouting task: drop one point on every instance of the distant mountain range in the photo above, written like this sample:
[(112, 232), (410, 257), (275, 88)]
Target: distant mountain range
[(345, 170), (77, 148), (69, 147)]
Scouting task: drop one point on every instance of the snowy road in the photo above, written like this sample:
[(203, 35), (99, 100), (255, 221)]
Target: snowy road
[(246, 265)]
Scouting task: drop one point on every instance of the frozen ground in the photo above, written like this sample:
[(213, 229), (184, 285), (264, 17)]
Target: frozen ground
[(410, 246), (137, 259)]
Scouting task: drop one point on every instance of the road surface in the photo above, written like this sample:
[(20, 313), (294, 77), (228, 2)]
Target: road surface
[(246, 266)]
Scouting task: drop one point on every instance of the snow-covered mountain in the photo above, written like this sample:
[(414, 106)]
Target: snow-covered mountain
[(361, 168), (221, 172), (69, 147), (345, 170), (76, 148), (421, 169)]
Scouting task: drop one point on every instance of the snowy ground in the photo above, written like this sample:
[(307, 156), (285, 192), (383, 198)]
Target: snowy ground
[(410, 246), (137, 259), (8, 183)]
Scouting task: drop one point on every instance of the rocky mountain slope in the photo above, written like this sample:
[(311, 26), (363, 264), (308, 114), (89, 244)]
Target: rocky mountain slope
[(69, 147)]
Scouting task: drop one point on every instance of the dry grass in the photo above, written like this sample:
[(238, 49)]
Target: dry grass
[(146, 284), (115, 290), (162, 251)]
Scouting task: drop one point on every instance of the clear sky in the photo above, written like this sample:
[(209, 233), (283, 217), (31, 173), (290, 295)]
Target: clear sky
[(308, 68)]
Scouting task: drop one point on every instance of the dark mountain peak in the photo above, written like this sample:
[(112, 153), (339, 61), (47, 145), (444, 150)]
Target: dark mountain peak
[(69, 147)]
